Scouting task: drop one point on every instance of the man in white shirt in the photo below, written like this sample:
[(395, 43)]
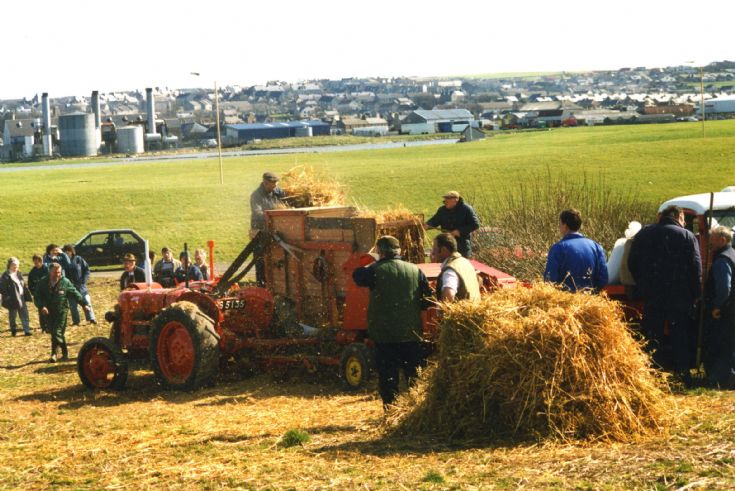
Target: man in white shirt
[(458, 279)]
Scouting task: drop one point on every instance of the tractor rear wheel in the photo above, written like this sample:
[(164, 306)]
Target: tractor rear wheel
[(101, 365), (355, 366), (183, 348)]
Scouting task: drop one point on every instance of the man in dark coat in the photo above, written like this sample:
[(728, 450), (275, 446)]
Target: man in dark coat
[(719, 298), (398, 293), (457, 218), (268, 196), (39, 271), (132, 273), (52, 299), (187, 270), (665, 263), (77, 271)]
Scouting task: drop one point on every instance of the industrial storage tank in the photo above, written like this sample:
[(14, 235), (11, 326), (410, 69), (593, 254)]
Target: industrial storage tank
[(77, 135), (130, 139)]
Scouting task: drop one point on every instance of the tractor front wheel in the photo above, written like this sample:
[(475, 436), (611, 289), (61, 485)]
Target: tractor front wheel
[(183, 349), (355, 366), (101, 365)]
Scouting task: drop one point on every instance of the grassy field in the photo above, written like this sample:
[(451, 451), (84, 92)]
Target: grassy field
[(240, 434), (173, 202)]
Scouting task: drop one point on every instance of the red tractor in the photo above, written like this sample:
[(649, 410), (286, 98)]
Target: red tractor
[(311, 315)]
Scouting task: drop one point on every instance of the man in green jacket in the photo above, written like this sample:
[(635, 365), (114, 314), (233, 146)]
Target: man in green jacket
[(398, 293), (52, 299)]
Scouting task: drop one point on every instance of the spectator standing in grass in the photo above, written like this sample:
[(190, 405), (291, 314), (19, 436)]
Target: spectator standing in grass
[(15, 296), (665, 263), (132, 273), (52, 299), (458, 279), (398, 293), (187, 270), (576, 262), (35, 275), (200, 261), (78, 273), (163, 271), (719, 298), (457, 218)]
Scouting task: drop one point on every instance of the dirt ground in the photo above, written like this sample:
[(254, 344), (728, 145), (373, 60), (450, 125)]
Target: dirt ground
[(56, 434)]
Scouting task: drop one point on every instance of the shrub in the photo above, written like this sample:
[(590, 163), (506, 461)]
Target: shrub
[(523, 218)]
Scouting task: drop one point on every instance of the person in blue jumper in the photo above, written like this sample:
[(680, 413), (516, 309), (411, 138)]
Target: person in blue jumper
[(576, 262)]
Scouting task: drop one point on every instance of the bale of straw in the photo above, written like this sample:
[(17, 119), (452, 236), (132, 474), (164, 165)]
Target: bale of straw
[(404, 225), (306, 187), (536, 362)]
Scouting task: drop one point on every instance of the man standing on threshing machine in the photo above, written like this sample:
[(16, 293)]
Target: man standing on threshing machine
[(52, 299), (719, 297), (458, 279), (665, 263), (457, 218), (268, 196), (398, 293), (575, 262)]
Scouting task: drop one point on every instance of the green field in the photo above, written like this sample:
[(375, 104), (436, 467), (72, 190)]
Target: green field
[(173, 202)]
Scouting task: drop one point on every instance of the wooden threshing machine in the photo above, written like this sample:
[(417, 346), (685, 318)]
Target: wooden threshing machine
[(311, 314)]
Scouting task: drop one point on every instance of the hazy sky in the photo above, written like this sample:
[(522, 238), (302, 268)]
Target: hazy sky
[(72, 47)]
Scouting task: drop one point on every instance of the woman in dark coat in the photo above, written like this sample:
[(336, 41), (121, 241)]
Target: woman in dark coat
[(15, 296)]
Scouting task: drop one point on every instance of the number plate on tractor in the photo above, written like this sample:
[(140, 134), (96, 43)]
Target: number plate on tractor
[(232, 304)]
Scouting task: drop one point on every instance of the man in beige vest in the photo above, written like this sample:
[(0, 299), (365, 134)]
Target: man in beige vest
[(458, 279)]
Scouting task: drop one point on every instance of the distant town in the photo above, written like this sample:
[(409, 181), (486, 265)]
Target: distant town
[(159, 118)]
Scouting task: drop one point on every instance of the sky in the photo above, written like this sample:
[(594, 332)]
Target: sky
[(72, 47)]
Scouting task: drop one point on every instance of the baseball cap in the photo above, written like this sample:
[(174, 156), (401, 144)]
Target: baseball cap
[(129, 257)]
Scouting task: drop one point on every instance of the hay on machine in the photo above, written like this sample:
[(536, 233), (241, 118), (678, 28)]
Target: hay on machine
[(536, 362), (404, 225), (305, 187)]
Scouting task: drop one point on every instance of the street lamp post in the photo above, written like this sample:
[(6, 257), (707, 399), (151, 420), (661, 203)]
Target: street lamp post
[(702, 112), (219, 136)]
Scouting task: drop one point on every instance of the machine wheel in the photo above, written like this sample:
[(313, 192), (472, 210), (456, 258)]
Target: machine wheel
[(355, 366), (183, 348), (101, 365)]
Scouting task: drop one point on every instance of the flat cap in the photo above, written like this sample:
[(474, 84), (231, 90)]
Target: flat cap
[(451, 194), (270, 176), (388, 242)]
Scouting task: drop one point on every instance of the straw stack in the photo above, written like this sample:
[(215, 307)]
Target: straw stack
[(306, 187), (536, 362)]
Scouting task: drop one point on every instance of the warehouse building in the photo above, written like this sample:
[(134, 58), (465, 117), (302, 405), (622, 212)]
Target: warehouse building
[(424, 121), (720, 105), (242, 133)]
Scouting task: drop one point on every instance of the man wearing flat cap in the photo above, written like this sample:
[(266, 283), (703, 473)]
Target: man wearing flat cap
[(267, 197), (398, 293), (132, 273), (457, 218)]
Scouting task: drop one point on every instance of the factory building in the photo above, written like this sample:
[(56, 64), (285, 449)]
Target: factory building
[(720, 105), (424, 121), (242, 133)]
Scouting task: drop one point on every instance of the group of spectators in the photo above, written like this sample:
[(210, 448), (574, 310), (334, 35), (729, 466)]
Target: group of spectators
[(167, 271), (57, 285), (665, 264)]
